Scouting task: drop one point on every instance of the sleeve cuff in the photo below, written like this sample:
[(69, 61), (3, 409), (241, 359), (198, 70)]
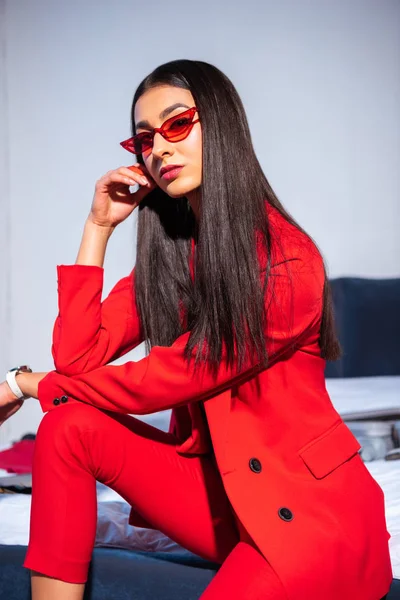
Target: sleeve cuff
[(71, 277), (50, 392)]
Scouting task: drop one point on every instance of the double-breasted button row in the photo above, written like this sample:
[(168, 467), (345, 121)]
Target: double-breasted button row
[(284, 513), (57, 401)]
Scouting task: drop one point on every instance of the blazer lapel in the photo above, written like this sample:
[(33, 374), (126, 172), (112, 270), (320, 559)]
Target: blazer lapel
[(217, 410)]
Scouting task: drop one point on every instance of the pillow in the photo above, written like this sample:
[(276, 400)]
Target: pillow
[(368, 326)]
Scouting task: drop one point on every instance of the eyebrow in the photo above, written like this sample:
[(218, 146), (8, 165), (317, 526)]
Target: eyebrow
[(164, 113)]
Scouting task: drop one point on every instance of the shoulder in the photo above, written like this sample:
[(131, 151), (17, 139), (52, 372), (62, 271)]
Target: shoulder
[(295, 257), (289, 242), (297, 276)]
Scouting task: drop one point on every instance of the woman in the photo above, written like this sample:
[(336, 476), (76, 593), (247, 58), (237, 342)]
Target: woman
[(258, 472)]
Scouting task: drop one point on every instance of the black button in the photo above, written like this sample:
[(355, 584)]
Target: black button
[(255, 465), (285, 514), (56, 401), (64, 398)]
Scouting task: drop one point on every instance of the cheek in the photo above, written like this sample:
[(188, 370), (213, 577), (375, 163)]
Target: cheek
[(193, 149), (149, 163)]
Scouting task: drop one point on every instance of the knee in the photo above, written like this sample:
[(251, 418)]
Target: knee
[(65, 422)]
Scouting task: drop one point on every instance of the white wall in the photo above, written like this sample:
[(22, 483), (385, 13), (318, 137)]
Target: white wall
[(320, 81), (5, 238)]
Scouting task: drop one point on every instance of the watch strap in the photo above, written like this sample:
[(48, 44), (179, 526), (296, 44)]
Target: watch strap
[(12, 382)]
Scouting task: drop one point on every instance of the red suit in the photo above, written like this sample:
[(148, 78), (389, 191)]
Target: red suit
[(289, 464)]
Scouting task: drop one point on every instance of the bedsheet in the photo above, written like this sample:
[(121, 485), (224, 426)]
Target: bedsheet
[(365, 397)]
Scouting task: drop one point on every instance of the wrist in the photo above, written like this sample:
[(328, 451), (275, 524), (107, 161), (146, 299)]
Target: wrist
[(29, 382), (13, 397), (98, 229), (15, 390), (94, 243)]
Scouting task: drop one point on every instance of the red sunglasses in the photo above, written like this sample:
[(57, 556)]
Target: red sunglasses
[(174, 129)]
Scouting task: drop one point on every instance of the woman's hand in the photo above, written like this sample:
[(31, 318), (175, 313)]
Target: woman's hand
[(9, 403), (112, 201)]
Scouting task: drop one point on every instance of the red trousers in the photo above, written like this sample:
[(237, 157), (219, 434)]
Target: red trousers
[(183, 497)]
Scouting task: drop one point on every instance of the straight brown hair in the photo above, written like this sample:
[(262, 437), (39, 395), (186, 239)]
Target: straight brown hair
[(227, 285)]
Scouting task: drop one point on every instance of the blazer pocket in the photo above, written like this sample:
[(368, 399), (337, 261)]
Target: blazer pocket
[(330, 450)]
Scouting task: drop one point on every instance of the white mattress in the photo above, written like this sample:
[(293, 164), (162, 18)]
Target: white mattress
[(361, 397), (365, 397)]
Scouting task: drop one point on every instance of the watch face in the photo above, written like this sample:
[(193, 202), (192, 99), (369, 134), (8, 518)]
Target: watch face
[(23, 369)]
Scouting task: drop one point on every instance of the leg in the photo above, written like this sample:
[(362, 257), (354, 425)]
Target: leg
[(47, 588), (245, 575), (78, 444)]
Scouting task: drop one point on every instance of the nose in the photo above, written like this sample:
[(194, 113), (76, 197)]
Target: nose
[(161, 146)]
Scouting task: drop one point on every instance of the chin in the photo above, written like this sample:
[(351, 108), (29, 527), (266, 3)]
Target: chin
[(176, 189), (171, 195)]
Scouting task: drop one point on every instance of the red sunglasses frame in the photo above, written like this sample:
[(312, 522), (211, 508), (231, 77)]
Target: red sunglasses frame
[(129, 144)]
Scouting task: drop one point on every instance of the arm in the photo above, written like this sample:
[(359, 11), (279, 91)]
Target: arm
[(28, 383), (88, 333), (162, 380)]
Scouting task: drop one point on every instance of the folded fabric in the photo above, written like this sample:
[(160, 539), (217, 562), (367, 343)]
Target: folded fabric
[(18, 459)]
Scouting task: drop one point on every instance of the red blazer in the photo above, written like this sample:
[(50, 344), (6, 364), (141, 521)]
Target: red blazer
[(290, 465)]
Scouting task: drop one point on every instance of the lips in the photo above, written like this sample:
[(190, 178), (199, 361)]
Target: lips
[(169, 168)]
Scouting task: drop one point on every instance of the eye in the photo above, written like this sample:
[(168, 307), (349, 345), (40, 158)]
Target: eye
[(181, 122), (144, 137)]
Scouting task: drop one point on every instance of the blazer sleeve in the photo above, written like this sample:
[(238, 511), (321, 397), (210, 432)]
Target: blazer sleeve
[(89, 333), (162, 379)]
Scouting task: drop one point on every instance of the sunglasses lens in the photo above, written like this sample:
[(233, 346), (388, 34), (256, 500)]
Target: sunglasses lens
[(133, 145), (178, 128), (128, 145), (142, 142)]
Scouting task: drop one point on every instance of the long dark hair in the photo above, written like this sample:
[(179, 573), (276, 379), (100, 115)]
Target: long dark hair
[(227, 284)]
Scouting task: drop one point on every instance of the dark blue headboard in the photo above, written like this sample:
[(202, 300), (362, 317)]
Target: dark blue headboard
[(367, 314)]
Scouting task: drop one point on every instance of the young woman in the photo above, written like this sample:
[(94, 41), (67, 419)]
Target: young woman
[(258, 472)]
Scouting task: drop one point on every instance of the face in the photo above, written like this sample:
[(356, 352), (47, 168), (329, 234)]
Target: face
[(186, 153)]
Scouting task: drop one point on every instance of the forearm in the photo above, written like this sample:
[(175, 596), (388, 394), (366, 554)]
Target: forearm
[(93, 245), (28, 383)]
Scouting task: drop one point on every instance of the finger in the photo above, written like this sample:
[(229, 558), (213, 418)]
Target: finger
[(144, 169), (137, 171), (141, 168), (130, 179)]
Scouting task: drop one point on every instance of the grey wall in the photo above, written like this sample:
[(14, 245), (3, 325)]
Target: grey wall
[(320, 81)]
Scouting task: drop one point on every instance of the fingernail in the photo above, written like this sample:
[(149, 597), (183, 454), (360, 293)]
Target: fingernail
[(144, 180)]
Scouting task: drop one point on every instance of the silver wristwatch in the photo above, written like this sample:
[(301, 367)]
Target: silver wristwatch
[(11, 379)]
